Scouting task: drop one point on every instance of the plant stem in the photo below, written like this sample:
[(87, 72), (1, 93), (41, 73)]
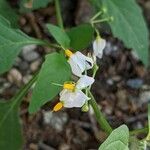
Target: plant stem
[(99, 116), (23, 91), (101, 20), (96, 15), (58, 14), (139, 131), (46, 43)]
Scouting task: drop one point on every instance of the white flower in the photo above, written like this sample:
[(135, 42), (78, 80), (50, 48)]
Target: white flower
[(72, 96), (73, 99), (98, 46), (79, 62), (84, 82)]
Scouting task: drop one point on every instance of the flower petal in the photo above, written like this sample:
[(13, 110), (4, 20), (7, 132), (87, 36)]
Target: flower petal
[(87, 62), (79, 63), (84, 82), (73, 99), (76, 70), (98, 47)]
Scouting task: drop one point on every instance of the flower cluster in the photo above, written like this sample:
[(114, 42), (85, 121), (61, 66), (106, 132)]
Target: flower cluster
[(72, 94)]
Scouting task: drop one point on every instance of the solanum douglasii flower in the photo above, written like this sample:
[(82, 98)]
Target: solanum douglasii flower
[(78, 62), (72, 95), (98, 46)]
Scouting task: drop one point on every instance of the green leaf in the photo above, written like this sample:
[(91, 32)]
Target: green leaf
[(129, 25), (11, 42), (81, 36), (117, 140), (40, 3), (96, 3), (36, 4), (60, 36), (10, 128), (55, 69), (8, 12)]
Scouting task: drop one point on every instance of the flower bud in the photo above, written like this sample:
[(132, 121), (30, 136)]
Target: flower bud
[(85, 107)]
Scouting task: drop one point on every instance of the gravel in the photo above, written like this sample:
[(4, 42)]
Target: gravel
[(29, 54)]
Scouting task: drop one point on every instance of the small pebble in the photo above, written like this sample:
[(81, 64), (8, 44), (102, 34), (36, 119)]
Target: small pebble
[(116, 78), (17, 62), (110, 82), (27, 78), (28, 48), (33, 146), (144, 97), (122, 99), (24, 66), (110, 48), (35, 65), (64, 147), (135, 83), (14, 76), (29, 54), (56, 120)]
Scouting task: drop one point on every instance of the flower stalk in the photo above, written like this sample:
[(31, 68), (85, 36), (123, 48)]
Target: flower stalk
[(103, 20), (99, 115)]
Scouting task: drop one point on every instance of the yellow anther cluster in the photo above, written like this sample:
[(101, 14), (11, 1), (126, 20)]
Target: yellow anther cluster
[(68, 53), (58, 106), (69, 86)]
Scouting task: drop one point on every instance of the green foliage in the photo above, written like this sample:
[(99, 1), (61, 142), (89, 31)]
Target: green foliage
[(35, 4), (117, 140), (81, 36), (8, 12), (10, 129), (55, 69), (129, 25), (96, 3), (11, 42), (77, 38), (60, 36)]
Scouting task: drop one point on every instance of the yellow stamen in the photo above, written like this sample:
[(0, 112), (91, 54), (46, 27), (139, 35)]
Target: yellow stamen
[(68, 53), (58, 106), (69, 86)]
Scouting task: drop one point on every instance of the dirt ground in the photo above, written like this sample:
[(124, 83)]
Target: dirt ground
[(122, 87)]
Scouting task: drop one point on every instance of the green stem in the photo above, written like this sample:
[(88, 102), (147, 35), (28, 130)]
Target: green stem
[(139, 131), (96, 15), (102, 20), (58, 14), (46, 43), (99, 115), (22, 92)]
